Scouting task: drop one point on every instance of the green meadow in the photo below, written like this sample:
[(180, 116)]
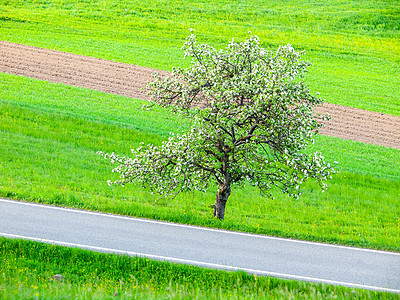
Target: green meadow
[(50, 133), (27, 271), (354, 45)]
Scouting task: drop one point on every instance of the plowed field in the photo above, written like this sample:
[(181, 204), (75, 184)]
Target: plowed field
[(129, 80)]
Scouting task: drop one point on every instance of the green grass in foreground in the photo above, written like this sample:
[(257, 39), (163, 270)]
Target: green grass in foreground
[(354, 45), (27, 271), (49, 135)]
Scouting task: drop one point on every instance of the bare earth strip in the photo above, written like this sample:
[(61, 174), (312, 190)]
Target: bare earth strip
[(130, 81)]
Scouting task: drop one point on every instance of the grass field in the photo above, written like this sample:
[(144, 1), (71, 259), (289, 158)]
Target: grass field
[(55, 130), (49, 135), (27, 271), (354, 45)]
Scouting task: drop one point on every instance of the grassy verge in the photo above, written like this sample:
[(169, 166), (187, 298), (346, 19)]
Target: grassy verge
[(27, 270), (354, 44), (49, 135)]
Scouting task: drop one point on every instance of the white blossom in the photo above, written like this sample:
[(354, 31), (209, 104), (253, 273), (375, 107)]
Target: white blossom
[(252, 121)]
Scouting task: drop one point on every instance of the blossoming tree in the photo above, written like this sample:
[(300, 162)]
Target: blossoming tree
[(252, 119)]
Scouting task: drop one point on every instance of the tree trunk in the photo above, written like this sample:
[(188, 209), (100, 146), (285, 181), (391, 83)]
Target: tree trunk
[(223, 194)]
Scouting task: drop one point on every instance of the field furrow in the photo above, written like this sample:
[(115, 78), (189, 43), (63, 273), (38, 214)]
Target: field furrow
[(130, 81)]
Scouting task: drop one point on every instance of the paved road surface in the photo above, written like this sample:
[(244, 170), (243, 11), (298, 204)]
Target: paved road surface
[(262, 255)]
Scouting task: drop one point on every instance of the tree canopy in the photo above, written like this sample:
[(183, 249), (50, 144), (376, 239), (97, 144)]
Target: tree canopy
[(252, 119)]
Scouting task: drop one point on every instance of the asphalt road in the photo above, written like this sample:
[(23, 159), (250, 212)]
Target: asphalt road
[(278, 257)]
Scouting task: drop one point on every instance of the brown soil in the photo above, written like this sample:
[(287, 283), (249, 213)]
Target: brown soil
[(129, 80)]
